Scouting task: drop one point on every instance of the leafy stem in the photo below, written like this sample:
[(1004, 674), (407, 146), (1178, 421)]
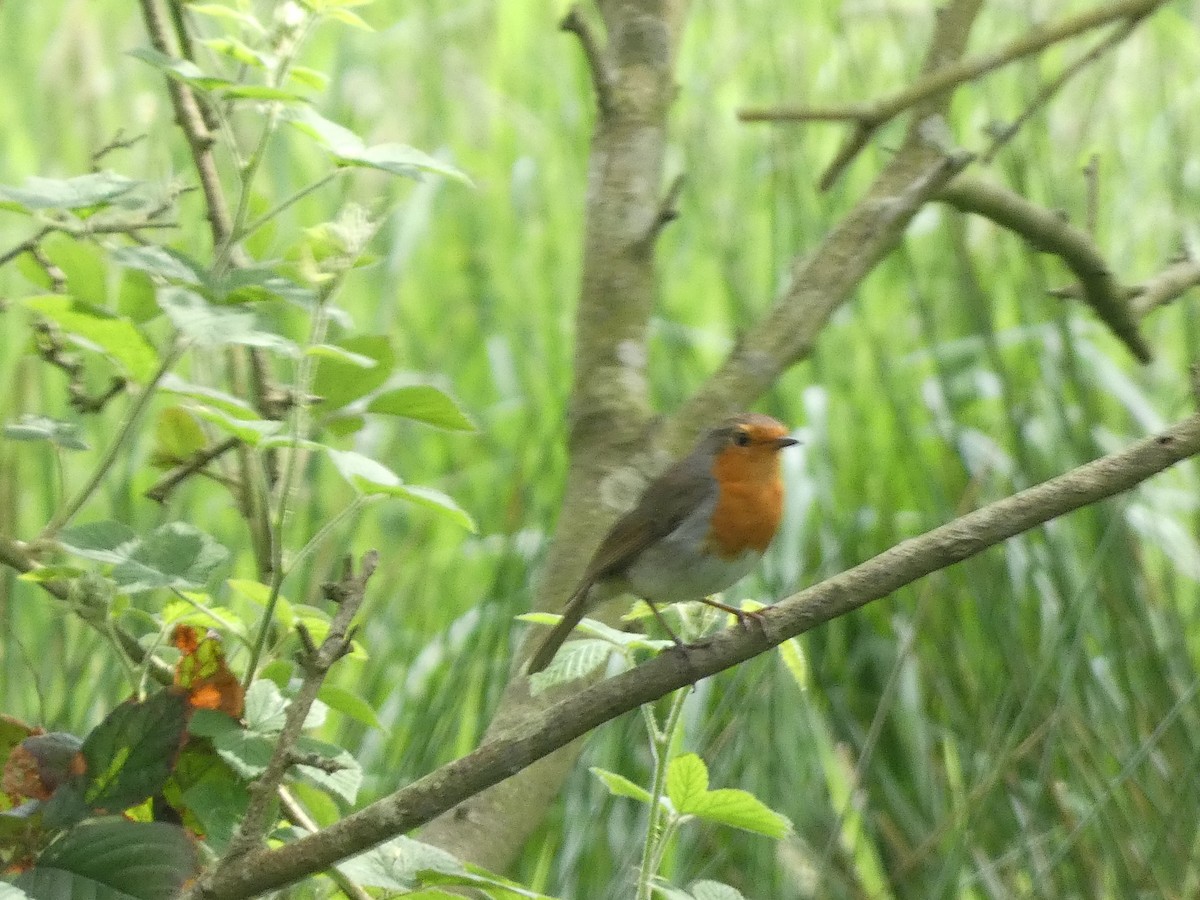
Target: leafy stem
[(76, 503), (657, 830)]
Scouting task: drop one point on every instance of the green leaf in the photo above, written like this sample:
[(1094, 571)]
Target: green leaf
[(687, 780), (350, 150), (209, 794), (338, 382), (130, 754), (217, 11), (30, 427), (620, 786), (349, 704), (329, 351), (113, 859), (180, 69), (170, 265), (173, 384), (104, 541), (249, 431), (233, 49), (176, 555), (343, 781), (715, 890), (266, 707), (214, 326), (738, 809), (349, 18), (574, 659), (370, 477), (398, 864), (247, 752), (114, 336), (792, 653), (177, 435), (82, 191), (424, 403)]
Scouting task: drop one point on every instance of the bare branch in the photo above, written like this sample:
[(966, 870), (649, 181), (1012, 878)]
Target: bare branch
[(552, 728), (602, 76), (349, 594), (16, 556), (1050, 233), (869, 118), (1166, 286), (668, 210), (162, 488), (1051, 89)]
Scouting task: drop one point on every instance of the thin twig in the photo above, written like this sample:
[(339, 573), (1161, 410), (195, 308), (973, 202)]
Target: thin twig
[(295, 813), (593, 52), (17, 557), (116, 446), (1033, 41), (1050, 89), (1047, 232), (349, 592), (668, 210), (162, 488), (1166, 286)]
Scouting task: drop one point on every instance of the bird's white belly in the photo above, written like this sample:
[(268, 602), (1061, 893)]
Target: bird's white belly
[(675, 568)]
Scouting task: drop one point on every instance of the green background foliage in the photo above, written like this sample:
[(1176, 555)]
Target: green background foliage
[(1025, 719)]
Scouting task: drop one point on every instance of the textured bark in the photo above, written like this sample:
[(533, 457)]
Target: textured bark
[(611, 451)]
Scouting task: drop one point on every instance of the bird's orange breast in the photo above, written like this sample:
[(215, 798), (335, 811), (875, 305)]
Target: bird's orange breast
[(749, 503)]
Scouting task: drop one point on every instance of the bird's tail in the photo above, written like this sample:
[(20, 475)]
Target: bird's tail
[(574, 611)]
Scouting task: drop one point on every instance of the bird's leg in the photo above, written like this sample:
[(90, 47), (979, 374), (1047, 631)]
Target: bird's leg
[(740, 614), (663, 622)]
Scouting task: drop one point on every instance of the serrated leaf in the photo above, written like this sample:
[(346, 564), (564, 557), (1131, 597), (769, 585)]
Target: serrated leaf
[(349, 704), (574, 659), (738, 809), (214, 326), (423, 403), (130, 754), (247, 752), (620, 786), (113, 859), (170, 265), (266, 707), (398, 863), (176, 555), (82, 191), (687, 780), (105, 541), (350, 150), (114, 336), (31, 427)]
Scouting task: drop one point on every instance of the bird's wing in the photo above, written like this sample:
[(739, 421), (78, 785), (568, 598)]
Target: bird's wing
[(666, 502)]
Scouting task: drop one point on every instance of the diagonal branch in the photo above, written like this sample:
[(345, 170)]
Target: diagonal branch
[(1050, 233), (553, 728)]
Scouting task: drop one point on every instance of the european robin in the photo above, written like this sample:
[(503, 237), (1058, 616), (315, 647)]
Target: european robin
[(699, 527)]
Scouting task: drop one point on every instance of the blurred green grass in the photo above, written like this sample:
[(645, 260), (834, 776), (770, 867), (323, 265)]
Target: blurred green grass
[(1020, 725)]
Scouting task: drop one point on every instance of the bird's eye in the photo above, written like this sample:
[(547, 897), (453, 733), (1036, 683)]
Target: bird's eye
[(741, 438)]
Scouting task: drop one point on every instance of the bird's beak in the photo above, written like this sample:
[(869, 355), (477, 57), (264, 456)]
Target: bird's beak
[(785, 442)]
